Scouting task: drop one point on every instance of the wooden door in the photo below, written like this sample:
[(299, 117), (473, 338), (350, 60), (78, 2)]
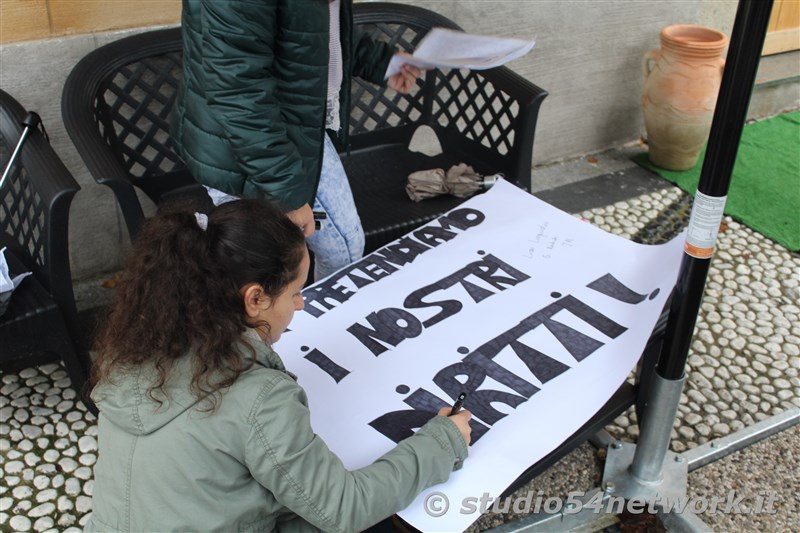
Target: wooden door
[(783, 33)]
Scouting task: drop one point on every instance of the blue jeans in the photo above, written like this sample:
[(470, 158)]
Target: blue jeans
[(340, 241)]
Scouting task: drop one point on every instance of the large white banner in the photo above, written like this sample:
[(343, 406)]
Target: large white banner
[(538, 316)]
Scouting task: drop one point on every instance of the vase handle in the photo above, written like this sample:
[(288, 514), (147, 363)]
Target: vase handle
[(650, 55)]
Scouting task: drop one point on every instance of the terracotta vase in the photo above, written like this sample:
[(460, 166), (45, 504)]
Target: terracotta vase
[(682, 81)]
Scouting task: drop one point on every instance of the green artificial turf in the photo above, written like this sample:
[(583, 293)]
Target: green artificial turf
[(764, 191)]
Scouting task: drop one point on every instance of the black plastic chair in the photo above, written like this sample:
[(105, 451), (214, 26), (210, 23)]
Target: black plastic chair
[(115, 105), (117, 100), (41, 322), (486, 119)]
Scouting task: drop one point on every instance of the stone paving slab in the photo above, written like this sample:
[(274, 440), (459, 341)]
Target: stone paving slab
[(743, 367)]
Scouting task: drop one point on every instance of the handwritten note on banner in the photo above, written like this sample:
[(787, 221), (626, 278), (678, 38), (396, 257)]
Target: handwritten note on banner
[(534, 313)]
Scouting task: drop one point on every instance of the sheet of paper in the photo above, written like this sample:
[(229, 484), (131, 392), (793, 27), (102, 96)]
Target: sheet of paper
[(534, 313), (7, 283), (443, 47)]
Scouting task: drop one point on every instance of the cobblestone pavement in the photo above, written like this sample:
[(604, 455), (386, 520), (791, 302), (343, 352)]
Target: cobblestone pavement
[(48, 448), (744, 361), (743, 367)]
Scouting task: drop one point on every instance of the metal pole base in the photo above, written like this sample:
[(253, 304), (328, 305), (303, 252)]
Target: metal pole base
[(589, 515), (719, 448), (620, 481), (686, 522), (598, 507)]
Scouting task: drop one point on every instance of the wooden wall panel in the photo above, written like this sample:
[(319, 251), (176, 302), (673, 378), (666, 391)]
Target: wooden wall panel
[(783, 32), (23, 20), (85, 16), (788, 15)]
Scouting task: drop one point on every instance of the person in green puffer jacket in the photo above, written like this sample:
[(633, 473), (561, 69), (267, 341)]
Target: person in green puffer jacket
[(263, 80), (201, 427)]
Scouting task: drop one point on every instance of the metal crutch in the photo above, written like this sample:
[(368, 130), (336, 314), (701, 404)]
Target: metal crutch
[(31, 120)]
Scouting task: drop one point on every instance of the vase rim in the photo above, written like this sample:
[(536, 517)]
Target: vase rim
[(694, 36)]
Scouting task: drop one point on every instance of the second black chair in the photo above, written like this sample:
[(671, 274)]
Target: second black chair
[(41, 321)]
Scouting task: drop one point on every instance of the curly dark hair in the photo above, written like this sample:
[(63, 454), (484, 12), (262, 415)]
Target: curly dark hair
[(181, 291)]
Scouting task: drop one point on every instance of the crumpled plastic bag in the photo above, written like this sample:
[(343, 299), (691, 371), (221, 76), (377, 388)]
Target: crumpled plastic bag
[(7, 283), (460, 180)]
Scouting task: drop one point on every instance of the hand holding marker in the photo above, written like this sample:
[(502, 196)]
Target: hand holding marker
[(461, 421), (459, 402)]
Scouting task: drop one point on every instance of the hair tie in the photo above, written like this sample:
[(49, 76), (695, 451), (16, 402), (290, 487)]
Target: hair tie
[(202, 220)]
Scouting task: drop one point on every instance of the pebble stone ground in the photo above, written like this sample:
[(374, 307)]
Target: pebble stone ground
[(743, 367), (744, 363)]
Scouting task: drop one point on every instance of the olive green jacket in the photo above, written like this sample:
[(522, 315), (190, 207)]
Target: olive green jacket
[(253, 464), (250, 114)]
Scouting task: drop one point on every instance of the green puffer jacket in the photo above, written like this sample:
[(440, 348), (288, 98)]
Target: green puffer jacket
[(250, 113), (254, 464)]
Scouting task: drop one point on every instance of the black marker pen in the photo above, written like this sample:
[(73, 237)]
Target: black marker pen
[(457, 406)]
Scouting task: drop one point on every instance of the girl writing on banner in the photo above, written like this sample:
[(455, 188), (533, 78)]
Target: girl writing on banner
[(201, 427)]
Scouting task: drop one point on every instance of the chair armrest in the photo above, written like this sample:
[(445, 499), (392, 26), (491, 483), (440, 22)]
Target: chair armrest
[(483, 115), (488, 116), (530, 97)]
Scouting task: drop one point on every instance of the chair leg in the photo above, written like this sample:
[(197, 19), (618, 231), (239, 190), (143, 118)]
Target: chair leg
[(79, 375), (77, 363)]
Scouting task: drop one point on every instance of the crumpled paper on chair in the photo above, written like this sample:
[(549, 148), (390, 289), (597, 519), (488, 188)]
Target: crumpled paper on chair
[(426, 184), (7, 283), (461, 181)]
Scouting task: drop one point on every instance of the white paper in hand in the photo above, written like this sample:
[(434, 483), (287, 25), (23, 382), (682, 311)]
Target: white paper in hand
[(7, 283), (455, 49)]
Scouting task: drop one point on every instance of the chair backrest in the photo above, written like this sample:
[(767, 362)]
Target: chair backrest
[(116, 105), (34, 204), (488, 114), (378, 115)]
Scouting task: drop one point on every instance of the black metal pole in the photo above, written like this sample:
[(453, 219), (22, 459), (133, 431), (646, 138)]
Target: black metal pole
[(744, 52)]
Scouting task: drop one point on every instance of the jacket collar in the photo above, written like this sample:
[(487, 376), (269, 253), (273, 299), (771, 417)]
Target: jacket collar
[(123, 400), (264, 354)]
